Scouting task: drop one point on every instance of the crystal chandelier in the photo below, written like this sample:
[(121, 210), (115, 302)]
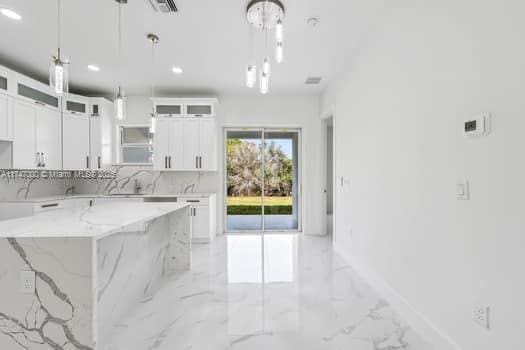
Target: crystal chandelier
[(265, 16)]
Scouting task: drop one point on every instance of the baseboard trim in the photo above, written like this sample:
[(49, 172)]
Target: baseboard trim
[(436, 338)]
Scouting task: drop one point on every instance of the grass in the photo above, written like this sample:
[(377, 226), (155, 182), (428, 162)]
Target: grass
[(253, 205), (258, 201)]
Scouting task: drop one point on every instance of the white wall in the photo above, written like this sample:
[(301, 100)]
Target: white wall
[(257, 110), (399, 110)]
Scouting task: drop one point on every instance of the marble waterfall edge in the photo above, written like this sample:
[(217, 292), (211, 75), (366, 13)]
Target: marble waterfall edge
[(85, 285)]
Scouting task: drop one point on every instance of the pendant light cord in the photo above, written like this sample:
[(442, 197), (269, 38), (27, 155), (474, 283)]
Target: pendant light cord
[(119, 45), (58, 27), (152, 78)]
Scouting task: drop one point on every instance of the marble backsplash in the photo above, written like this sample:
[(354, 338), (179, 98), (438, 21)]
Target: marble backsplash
[(11, 189), (151, 182)]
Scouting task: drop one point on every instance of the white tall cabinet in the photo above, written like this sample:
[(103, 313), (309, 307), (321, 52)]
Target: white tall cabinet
[(186, 135)]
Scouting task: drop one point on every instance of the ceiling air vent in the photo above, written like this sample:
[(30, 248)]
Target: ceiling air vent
[(313, 80), (164, 6)]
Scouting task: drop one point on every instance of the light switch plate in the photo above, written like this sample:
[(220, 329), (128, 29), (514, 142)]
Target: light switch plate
[(27, 282), (462, 190)]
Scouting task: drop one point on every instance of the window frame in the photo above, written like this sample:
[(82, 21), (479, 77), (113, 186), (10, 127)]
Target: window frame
[(122, 146)]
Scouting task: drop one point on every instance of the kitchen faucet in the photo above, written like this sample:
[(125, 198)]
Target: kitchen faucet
[(70, 190)]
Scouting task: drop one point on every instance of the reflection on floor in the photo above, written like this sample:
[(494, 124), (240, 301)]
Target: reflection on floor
[(254, 222), (278, 292)]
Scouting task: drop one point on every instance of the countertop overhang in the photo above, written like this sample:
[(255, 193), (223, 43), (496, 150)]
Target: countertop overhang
[(94, 222)]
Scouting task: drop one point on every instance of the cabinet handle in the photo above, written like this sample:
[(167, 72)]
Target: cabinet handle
[(200, 162), (196, 162), (165, 162), (99, 162), (169, 161), (38, 160), (40, 103), (43, 160), (87, 162)]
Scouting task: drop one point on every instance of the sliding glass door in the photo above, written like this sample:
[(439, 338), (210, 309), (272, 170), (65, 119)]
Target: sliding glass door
[(262, 180)]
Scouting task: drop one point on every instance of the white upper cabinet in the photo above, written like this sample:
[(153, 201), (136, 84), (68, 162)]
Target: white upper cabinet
[(190, 133), (24, 139), (161, 144), (36, 139), (48, 138), (95, 143), (185, 140), (101, 136), (76, 133), (207, 145), (168, 144)]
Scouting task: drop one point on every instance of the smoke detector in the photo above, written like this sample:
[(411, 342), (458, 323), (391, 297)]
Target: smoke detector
[(313, 80), (164, 6)]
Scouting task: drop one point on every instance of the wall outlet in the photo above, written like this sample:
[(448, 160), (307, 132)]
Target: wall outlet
[(481, 316), (27, 282)]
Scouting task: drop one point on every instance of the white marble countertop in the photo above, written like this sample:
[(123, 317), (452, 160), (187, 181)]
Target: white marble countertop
[(95, 222), (116, 195)]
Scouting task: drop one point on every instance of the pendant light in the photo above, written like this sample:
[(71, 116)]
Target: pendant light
[(279, 52), (154, 39), (279, 31), (264, 83), (58, 69), (251, 68), (120, 102)]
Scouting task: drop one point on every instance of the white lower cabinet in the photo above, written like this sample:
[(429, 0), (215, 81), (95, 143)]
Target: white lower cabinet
[(75, 131), (203, 214), (36, 136)]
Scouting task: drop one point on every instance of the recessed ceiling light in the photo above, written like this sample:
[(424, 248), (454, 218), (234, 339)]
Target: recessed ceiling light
[(11, 14), (93, 68), (177, 70)]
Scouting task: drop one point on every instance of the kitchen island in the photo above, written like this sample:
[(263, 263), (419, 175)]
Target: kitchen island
[(68, 276)]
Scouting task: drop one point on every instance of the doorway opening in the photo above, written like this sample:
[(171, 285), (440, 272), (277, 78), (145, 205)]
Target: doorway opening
[(328, 124), (262, 180)]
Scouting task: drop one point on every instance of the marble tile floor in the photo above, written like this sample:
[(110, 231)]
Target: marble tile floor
[(254, 222), (278, 292)]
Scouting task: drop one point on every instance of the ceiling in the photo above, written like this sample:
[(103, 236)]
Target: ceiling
[(207, 38)]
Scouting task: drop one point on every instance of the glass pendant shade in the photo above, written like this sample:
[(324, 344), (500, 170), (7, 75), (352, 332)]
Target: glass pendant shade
[(279, 52), (279, 31), (153, 125), (264, 83), (266, 68), (59, 76), (251, 75), (120, 106)]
